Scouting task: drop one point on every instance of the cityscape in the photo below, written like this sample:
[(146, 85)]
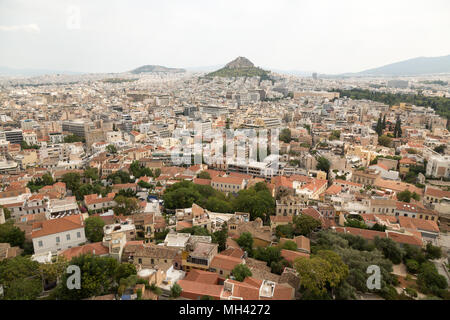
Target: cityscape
[(230, 182)]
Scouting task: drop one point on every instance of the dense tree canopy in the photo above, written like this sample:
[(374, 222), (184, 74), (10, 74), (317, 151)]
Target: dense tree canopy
[(125, 206), (94, 229), (240, 272), (323, 164), (98, 276), (245, 241), (11, 234), (20, 278)]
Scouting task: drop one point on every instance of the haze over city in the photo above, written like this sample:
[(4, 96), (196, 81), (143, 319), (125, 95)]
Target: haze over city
[(322, 36)]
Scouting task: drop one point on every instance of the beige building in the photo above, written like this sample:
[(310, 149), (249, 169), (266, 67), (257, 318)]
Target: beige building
[(289, 206), (228, 184)]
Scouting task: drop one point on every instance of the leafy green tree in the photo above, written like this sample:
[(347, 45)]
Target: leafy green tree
[(93, 227), (204, 175), (11, 234), (304, 224), (124, 270), (175, 291), (220, 237), (20, 278), (390, 249), (315, 275), (144, 184), (125, 206), (404, 196), (7, 212), (47, 179), (153, 288), (268, 254), (289, 245), (111, 149), (429, 280), (256, 200), (52, 272), (440, 149), (218, 205), (180, 198), (385, 141), (323, 164), (415, 196), (240, 272), (355, 223), (196, 231), (379, 127), (245, 241), (277, 267), (97, 278), (24, 289), (335, 135), (119, 177), (285, 231), (74, 138), (433, 252), (72, 181), (91, 173), (285, 135), (412, 266), (398, 128)]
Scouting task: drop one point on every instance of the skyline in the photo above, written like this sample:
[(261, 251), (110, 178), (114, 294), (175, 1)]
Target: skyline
[(323, 36)]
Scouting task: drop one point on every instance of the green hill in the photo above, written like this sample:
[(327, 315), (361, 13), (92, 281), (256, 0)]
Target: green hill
[(240, 67)]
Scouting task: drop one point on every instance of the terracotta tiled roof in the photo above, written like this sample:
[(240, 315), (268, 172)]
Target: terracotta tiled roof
[(334, 189), (415, 239), (290, 255), (418, 224), (437, 193), (224, 262), (233, 252), (228, 180), (48, 227), (205, 182), (96, 248)]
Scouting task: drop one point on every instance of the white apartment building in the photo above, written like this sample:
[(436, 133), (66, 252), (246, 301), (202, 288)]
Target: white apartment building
[(58, 234), (438, 166)]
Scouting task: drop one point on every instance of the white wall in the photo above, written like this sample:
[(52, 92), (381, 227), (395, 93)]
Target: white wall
[(49, 241)]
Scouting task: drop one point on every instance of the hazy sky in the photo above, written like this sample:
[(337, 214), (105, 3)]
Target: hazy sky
[(327, 36)]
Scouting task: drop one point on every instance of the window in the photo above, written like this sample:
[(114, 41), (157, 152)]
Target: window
[(140, 260), (78, 234), (58, 240), (40, 243), (68, 236)]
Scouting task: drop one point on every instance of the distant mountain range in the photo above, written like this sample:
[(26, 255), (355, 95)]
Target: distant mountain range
[(411, 67), (240, 67), (155, 68)]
